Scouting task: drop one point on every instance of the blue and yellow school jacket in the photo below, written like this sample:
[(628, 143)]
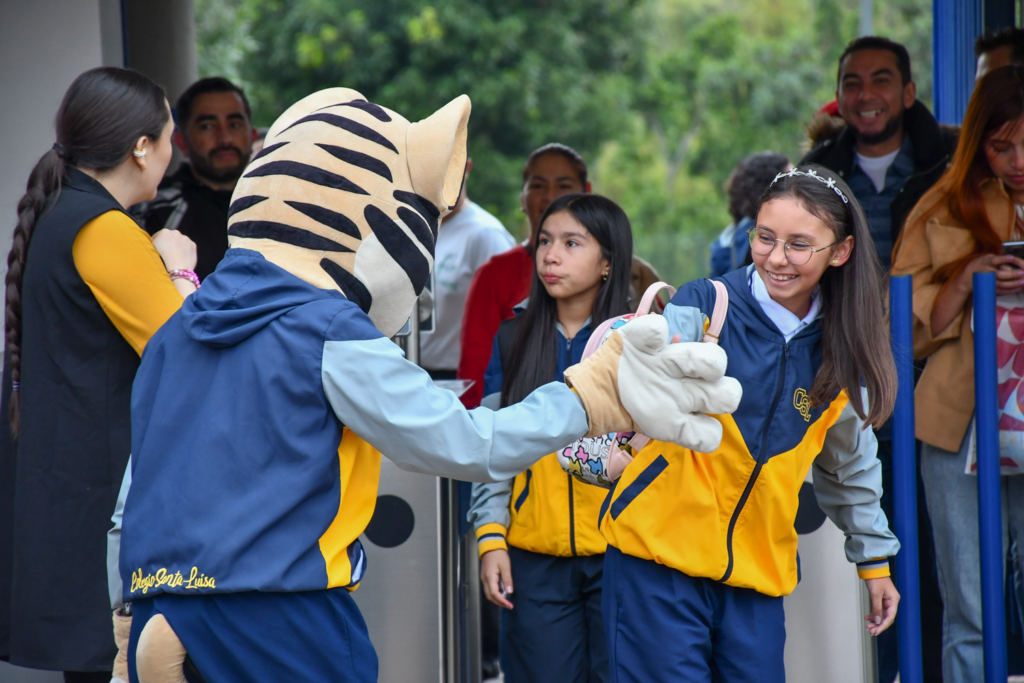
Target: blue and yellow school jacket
[(259, 415), (544, 509), (728, 515)]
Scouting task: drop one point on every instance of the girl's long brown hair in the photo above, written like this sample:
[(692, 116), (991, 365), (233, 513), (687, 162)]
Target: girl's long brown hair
[(855, 346), (533, 359), (997, 100)]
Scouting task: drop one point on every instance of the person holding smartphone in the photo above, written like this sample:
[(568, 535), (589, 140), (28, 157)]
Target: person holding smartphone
[(958, 229)]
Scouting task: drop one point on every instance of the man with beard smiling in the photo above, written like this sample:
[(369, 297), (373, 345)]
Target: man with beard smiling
[(890, 152), (215, 134), (892, 149)]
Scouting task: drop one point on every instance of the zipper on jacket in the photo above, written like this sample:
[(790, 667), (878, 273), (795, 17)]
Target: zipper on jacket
[(572, 502), (762, 457), (572, 518)]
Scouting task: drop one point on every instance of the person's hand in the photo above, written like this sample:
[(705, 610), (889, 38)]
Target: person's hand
[(177, 251), (1009, 272), (495, 572), (884, 599)]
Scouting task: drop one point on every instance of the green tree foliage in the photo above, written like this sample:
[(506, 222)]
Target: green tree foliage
[(663, 97), (536, 71)]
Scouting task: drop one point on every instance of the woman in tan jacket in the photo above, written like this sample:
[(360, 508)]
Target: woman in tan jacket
[(956, 230)]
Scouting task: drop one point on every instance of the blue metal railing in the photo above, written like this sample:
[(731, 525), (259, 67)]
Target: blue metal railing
[(905, 480), (986, 415), (904, 476)]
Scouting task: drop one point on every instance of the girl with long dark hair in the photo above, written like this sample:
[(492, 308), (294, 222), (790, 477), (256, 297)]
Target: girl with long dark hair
[(701, 546), (956, 230), (542, 522), (86, 289)]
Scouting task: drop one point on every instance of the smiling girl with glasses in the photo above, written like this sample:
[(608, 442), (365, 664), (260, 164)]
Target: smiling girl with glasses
[(701, 546)]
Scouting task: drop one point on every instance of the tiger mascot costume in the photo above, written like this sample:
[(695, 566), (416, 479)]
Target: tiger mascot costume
[(261, 409)]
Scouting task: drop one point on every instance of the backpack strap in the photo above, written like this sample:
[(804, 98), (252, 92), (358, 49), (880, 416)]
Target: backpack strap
[(718, 314), (598, 335), (648, 298)]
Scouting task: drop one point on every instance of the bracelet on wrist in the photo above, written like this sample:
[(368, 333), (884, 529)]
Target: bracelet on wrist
[(183, 274)]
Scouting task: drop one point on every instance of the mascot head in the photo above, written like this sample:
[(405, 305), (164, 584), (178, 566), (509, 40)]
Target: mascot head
[(348, 195)]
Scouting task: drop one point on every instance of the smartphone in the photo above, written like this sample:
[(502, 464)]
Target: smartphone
[(1014, 249)]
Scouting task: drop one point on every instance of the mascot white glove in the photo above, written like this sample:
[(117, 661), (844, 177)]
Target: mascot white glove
[(638, 382)]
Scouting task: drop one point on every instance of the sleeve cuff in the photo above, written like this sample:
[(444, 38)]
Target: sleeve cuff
[(872, 569), (491, 537), (595, 382)]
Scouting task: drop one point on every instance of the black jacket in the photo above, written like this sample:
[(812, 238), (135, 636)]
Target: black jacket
[(933, 150), (76, 382), (198, 211)]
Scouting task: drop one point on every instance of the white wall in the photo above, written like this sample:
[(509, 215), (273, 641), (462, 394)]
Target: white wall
[(44, 45)]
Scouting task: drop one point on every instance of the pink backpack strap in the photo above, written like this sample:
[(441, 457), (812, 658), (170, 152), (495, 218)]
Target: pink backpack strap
[(598, 335), (648, 298), (638, 441), (718, 314)]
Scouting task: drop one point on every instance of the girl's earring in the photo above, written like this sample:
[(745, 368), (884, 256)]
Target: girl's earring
[(835, 262), (604, 277), (139, 153)]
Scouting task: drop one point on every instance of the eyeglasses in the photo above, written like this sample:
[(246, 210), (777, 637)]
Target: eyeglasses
[(798, 251)]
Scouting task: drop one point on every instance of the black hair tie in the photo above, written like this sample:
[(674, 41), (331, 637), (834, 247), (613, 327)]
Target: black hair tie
[(62, 153)]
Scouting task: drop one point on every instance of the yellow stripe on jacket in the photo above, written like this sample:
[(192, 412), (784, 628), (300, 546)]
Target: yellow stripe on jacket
[(674, 506), (359, 471), (553, 513)]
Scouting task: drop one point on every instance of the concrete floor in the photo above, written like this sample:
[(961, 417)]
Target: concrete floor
[(15, 674)]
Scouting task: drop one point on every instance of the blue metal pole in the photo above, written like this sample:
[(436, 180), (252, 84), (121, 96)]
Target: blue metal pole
[(955, 24), (904, 477), (993, 616)]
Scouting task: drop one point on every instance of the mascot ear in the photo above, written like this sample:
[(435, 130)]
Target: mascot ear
[(437, 153)]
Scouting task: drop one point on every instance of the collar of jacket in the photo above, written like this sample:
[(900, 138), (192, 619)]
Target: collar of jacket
[(999, 206), (926, 139), (741, 298), (81, 181)]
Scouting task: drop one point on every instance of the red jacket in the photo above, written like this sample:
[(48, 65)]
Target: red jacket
[(498, 285)]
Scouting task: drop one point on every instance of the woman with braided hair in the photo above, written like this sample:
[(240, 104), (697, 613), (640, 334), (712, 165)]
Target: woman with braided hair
[(86, 289)]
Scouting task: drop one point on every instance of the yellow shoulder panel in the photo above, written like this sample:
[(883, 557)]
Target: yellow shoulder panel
[(675, 506), (118, 261)]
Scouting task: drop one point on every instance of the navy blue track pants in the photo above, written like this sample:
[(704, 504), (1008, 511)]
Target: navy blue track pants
[(308, 637), (663, 625), (554, 633)]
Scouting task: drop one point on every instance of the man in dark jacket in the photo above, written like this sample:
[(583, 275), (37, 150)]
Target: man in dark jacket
[(891, 150), (996, 49), (215, 135)]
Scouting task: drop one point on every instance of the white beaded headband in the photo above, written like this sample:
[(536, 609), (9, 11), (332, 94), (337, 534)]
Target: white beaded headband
[(812, 174)]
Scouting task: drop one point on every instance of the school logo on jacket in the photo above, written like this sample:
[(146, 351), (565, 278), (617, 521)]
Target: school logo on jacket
[(802, 402)]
